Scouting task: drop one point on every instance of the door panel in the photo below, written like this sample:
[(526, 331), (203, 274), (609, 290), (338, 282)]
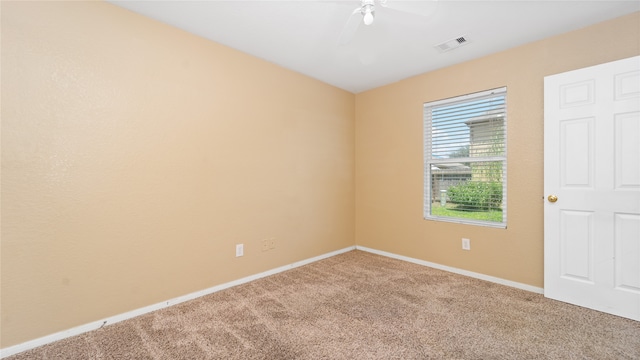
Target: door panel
[(576, 154), (627, 246), (576, 245), (627, 151), (592, 166)]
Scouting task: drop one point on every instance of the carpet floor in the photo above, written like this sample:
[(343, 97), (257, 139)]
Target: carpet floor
[(358, 305)]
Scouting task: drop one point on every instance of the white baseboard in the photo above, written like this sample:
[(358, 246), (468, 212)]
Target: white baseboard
[(455, 270), (31, 344)]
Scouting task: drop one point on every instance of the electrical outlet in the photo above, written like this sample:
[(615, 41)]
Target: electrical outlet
[(272, 243), (466, 244), (239, 250), (265, 244)]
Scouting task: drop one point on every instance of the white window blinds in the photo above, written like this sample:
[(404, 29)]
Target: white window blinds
[(465, 159)]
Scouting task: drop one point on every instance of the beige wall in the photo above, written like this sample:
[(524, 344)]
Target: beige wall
[(135, 156), (389, 170)]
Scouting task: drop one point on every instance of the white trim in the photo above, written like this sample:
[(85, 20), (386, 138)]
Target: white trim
[(31, 344), (463, 98), (455, 270), (463, 221)]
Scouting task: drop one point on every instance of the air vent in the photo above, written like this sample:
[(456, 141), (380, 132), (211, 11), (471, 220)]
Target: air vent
[(452, 44)]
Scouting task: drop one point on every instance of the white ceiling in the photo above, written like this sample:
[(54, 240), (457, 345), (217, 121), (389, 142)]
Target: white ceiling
[(304, 35)]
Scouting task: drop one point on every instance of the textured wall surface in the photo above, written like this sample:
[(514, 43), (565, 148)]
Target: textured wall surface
[(389, 148), (135, 156)]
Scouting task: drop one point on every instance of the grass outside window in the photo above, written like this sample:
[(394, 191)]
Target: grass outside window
[(453, 211)]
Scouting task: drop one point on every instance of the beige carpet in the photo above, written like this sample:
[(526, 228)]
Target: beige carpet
[(360, 306)]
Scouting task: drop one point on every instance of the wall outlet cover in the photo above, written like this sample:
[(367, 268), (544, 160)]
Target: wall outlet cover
[(239, 250)]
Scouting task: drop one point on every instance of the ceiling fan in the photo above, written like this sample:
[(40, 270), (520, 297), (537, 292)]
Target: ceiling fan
[(366, 13)]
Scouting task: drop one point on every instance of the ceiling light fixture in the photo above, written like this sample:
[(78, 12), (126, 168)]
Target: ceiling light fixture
[(368, 11)]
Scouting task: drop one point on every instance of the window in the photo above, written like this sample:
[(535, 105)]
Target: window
[(465, 153)]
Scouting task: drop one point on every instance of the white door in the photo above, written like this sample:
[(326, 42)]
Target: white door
[(592, 167)]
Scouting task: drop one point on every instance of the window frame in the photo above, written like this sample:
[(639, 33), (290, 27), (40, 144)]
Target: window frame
[(429, 160)]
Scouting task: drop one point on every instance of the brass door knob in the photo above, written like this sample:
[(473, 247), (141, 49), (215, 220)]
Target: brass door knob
[(552, 198)]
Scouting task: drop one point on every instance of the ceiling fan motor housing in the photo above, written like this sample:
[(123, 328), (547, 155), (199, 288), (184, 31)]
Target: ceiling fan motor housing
[(368, 11)]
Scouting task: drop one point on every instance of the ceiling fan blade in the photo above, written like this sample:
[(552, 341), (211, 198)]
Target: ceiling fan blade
[(350, 27), (422, 7)]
